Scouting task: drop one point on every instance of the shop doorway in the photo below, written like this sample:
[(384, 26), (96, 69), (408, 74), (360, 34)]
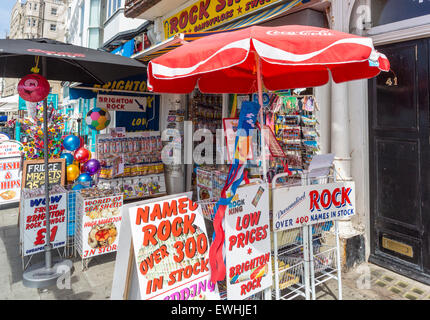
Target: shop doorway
[(399, 155)]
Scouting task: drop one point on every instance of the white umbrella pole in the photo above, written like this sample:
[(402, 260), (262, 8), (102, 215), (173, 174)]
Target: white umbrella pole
[(261, 115)]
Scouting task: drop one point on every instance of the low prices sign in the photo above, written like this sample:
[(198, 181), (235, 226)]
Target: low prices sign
[(247, 234), (171, 250), (305, 205), (33, 227), (100, 225)]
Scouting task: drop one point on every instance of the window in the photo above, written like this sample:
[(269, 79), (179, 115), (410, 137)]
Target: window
[(54, 11), (35, 6), (33, 22), (29, 22), (53, 27), (388, 11)]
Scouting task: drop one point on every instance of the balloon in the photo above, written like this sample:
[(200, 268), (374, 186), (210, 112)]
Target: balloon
[(79, 187), (68, 157), (33, 88), (72, 172), (92, 166), (71, 142), (84, 177), (84, 167), (82, 155)]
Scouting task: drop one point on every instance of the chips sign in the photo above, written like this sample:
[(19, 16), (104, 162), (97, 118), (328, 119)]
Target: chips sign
[(305, 205), (205, 14), (33, 175), (247, 240), (10, 180), (171, 250), (33, 223)]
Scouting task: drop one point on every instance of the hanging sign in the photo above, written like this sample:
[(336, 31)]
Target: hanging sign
[(33, 173), (131, 85), (125, 103), (294, 207), (247, 241), (140, 121), (33, 223), (98, 225), (171, 250), (206, 14)]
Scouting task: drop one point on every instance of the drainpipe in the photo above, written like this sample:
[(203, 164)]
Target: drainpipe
[(340, 122)]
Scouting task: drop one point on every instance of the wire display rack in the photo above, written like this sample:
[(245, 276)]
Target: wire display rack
[(71, 224), (303, 259), (290, 265)]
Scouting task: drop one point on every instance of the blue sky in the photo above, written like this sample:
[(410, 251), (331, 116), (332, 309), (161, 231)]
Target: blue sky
[(5, 12)]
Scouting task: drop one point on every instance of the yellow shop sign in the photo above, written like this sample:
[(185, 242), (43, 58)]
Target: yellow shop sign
[(206, 14)]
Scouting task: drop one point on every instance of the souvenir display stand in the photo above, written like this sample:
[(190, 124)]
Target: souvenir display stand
[(303, 257)]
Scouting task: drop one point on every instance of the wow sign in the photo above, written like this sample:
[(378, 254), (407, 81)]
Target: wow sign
[(305, 205)]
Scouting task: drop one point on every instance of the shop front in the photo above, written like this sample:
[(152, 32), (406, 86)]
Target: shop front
[(291, 146), (398, 113)]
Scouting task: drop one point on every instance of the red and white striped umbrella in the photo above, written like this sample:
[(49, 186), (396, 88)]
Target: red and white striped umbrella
[(287, 57)]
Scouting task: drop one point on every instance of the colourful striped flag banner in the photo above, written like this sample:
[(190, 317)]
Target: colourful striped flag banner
[(247, 122)]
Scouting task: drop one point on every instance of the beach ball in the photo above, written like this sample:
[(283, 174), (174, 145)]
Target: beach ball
[(72, 172), (33, 88), (97, 118), (71, 142), (82, 155)]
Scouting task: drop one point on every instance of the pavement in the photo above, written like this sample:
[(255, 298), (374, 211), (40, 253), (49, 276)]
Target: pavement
[(365, 282)]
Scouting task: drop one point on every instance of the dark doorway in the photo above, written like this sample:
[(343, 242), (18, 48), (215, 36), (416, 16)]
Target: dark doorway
[(399, 158)]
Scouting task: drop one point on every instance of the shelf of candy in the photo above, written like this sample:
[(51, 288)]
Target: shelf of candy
[(138, 187), (206, 111), (140, 156)]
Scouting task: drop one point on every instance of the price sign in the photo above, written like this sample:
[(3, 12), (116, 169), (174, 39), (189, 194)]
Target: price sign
[(33, 223), (33, 176), (172, 250)]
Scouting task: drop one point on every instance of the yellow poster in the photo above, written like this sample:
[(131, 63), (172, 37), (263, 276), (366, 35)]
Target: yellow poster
[(205, 14)]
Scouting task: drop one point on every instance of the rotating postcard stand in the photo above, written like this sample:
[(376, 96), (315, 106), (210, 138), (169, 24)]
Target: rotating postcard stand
[(46, 274)]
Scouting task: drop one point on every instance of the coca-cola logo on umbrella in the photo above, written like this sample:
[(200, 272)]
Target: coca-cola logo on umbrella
[(58, 54)]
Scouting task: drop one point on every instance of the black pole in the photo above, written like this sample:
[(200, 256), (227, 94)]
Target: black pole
[(48, 247)]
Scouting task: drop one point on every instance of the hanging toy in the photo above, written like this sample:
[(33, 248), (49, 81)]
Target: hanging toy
[(97, 118), (33, 88)]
